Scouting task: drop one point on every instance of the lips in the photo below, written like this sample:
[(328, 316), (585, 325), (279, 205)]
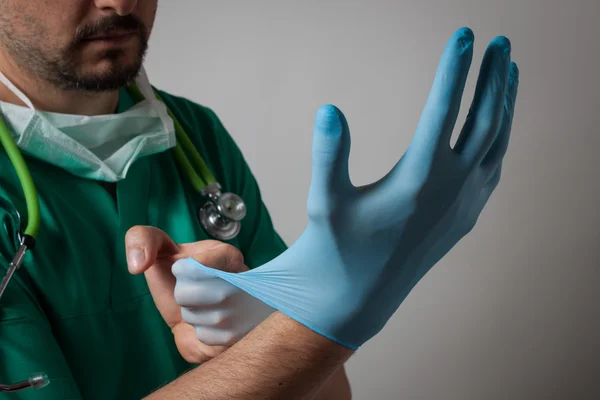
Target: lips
[(117, 36)]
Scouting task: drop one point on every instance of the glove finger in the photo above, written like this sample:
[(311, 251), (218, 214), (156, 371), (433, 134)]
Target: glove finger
[(197, 288), (330, 152), (213, 294), (217, 337), (496, 154), (217, 318), (185, 269), (485, 116), (441, 110)]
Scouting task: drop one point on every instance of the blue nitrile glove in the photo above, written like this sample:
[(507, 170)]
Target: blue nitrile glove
[(365, 248)]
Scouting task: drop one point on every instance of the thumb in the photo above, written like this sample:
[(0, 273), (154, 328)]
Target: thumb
[(330, 152), (143, 244)]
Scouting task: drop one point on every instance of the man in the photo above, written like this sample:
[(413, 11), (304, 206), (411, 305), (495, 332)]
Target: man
[(74, 311)]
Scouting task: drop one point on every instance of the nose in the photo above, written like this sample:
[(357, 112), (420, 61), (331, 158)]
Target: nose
[(120, 7)]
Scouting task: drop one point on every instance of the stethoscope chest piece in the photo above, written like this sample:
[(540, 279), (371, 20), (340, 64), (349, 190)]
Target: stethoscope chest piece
[(222, 213)]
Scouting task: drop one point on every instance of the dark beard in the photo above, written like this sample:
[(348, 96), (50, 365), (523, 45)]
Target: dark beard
[(65, 72)]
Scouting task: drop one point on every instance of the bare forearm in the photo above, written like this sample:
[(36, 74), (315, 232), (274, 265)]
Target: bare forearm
[(336, 388), (279, 359)]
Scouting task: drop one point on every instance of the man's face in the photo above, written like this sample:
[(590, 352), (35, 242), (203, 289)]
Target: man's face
[(90, 45)]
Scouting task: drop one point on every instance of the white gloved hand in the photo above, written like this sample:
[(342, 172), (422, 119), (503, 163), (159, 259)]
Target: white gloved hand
[(220, 312)]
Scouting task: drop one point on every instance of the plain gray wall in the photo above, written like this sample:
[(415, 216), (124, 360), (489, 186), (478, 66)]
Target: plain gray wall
[(513, 311)]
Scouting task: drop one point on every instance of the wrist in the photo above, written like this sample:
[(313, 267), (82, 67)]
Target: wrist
[(300, 336)]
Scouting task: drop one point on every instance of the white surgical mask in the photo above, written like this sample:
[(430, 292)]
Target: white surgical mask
[(94, 147)]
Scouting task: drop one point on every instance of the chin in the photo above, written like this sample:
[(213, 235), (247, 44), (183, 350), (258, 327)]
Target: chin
[(106, 76), (105, 69), (110, 68)]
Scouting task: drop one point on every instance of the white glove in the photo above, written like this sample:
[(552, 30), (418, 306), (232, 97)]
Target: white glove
[(221, 312)]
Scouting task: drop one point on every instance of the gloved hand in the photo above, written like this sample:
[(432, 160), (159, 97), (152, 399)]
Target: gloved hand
[(365, 248), (222, 313)]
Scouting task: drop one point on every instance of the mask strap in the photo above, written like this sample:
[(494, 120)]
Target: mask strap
[(16, 91), (143, 83)]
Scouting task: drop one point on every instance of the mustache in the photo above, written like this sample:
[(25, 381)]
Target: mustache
[(109, 25)]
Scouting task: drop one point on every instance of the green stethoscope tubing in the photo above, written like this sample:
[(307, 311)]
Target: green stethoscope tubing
[(31, 199), (183, 144), (198, 182)]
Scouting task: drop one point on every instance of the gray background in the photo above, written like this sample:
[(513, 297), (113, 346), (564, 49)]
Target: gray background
[(513, 311)]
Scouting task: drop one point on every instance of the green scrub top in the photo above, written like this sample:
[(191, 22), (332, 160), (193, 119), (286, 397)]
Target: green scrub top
[(73, 310)]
